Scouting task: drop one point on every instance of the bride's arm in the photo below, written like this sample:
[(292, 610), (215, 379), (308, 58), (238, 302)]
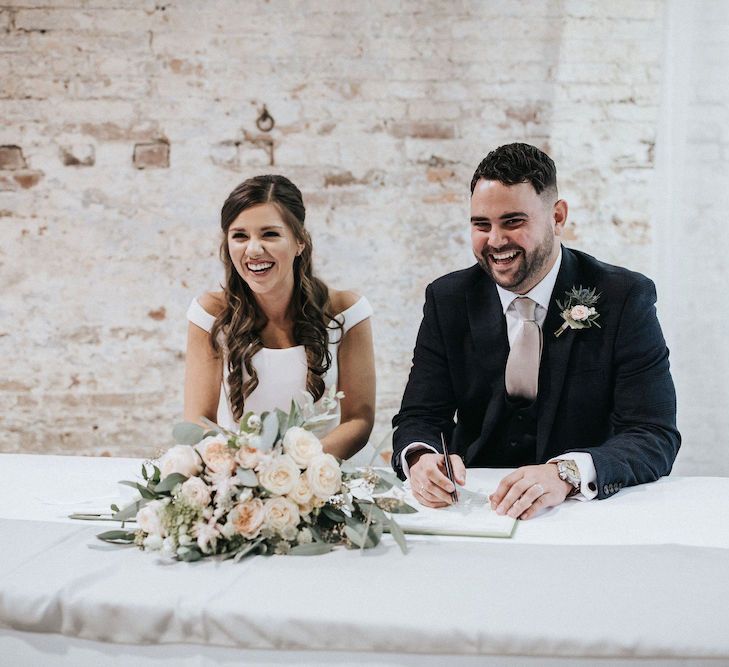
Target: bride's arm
[(203, 369), (356, 361)]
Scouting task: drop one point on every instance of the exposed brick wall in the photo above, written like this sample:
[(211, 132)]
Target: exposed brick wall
[(382, 111)]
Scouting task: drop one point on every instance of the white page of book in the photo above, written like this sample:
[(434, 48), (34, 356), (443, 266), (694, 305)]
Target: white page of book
[(471, 516)]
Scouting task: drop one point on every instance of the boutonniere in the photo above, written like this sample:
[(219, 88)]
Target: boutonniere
[(578, 310)]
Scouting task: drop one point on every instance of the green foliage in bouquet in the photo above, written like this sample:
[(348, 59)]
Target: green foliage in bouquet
[(267, 489)]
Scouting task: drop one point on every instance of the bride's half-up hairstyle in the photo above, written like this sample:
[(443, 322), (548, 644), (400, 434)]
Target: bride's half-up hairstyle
[(242, 320)]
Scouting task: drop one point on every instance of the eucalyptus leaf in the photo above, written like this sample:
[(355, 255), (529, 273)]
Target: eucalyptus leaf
[(378, 514), (117, 536), (143, 490), (247, 477), (389, 476), (129, 511), (382, 486), (354, 536), (334, 514), (144, 472), (312, 549), (398, 535), (248, 548), (374, 533), (157, 474), (269, 431), (190, 555), (394, 506), (187, 433), (170, 482)]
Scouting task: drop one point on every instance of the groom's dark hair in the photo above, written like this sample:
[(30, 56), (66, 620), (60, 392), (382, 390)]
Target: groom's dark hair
[(518, 163)]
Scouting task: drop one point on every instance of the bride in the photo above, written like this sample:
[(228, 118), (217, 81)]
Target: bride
[(276, 330)]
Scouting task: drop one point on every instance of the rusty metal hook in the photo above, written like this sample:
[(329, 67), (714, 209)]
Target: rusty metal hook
[(265, 121)]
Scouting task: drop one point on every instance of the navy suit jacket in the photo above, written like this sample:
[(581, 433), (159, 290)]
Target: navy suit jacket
[(607, 391)]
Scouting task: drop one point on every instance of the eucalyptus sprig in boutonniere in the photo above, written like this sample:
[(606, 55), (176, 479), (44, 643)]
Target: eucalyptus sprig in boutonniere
[(578, 309)]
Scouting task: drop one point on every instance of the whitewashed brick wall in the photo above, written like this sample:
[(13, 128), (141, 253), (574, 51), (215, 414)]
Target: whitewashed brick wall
[(134, 119)]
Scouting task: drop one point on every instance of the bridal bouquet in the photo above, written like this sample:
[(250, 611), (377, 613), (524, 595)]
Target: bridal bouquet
[(267, 489)]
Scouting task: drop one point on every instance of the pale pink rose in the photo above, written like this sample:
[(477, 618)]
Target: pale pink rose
[(281, 515), (324, 476), (279, 475), (216, 454), (579, 313), (301, 494), (247, 518), (196, 492), (301, 445), (248, 457), (181, 459)]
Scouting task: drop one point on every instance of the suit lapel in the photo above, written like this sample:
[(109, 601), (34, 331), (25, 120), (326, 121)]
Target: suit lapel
[(491, 343), (555, 353)]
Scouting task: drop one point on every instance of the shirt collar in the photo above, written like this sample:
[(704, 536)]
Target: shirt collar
[(541, 293)]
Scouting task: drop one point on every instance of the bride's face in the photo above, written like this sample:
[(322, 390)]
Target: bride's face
[(263, 248)]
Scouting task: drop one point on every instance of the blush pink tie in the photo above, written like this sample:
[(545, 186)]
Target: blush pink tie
[(522, 366)]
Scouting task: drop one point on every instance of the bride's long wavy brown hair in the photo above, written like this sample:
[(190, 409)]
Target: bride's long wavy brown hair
[(242, 320)]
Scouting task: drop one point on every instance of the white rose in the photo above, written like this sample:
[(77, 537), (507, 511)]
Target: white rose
[(181, 459), (254, 423), (324, 476), (281, 515), (247, 457), (247, 518), (301, 494), (196, 492), (279, 475), (153, 542), (301, 445), (216, 454), (149, 518), (579, 313)]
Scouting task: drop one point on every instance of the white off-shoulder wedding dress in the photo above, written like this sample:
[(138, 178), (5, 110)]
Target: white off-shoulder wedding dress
[(281, 372)]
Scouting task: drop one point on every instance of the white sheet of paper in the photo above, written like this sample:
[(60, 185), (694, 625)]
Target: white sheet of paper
[(471, 516)]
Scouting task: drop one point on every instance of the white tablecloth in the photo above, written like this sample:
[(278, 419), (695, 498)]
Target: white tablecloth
[(642, 576)]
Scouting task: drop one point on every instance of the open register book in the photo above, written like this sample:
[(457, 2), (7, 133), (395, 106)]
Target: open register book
[(472, 516)]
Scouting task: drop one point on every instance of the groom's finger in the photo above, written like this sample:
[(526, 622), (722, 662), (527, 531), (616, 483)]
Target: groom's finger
[(459, 469)]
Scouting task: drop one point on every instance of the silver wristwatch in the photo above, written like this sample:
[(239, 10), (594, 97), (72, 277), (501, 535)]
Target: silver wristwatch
[(569, 472)]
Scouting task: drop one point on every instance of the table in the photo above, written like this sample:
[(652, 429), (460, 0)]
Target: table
[(641, 578)]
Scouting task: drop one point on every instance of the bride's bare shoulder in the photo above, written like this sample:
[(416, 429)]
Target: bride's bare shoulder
[(212, 302), (340, 300)]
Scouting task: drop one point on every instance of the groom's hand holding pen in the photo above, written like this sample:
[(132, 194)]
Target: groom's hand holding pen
[(429, 477)]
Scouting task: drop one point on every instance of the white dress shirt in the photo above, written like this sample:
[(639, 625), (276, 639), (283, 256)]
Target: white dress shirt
[(541, 294)]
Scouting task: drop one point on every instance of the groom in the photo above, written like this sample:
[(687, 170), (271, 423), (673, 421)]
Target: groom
[(578, 398)]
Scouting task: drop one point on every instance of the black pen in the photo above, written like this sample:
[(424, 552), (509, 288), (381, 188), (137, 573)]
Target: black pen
[(449, 469)]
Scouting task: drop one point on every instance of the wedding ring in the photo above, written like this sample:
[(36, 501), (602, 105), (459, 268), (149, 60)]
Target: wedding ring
[(539, 488)]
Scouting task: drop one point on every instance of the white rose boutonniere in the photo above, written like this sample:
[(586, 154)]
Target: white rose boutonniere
[(578, 309)]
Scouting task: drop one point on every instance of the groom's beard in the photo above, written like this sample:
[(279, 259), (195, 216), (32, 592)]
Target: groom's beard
[(529, 265)]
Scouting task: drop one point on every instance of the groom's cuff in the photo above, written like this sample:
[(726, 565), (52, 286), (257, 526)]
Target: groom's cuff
[(588, 474), (413, 447)]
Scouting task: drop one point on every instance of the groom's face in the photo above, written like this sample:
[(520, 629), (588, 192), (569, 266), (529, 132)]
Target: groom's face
[(514, 232)]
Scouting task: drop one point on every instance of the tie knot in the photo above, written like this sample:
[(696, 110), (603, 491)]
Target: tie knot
[(525, 307)]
